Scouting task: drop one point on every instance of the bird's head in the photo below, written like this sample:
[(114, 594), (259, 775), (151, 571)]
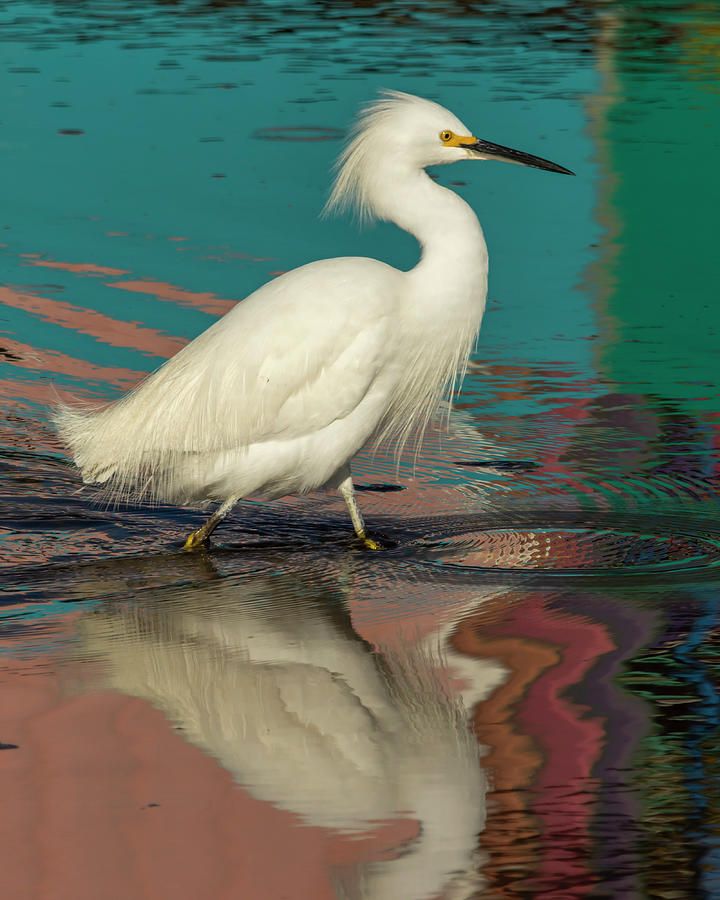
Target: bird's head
[(401, 132)]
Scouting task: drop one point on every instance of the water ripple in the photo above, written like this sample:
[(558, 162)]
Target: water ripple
[(598, 546)]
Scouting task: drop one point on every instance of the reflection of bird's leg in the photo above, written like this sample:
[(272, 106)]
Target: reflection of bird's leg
[(200, 537), (348, 493)]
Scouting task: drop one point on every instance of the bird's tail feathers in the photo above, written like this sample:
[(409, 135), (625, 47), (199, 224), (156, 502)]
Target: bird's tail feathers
[(98, 450), (120, 449)]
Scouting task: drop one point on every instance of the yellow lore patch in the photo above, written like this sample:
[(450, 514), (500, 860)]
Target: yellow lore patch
[(450, 139)]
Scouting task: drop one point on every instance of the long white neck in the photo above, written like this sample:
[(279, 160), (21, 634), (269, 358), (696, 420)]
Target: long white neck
[(454, 253), (445, 292)]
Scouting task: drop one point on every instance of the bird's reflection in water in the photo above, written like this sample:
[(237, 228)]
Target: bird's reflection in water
[(266, 674)]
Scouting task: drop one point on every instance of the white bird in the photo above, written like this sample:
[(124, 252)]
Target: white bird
[(279, 395)]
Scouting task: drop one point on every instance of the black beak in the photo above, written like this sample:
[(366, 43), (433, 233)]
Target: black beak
[(488, 150)]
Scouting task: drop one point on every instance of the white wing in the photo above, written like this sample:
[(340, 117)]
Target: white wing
[(298, 354)]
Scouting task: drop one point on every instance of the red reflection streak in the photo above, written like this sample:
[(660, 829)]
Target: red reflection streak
[(205, 301), (514, 758), (52, 361), (87, 321), (18, 398), (38, 391), (557, 742), (79, 268), (573, 740)]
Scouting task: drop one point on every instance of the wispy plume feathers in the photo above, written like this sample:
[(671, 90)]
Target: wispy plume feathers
[(369, 139)]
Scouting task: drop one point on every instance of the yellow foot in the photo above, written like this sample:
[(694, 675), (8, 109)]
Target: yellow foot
[(371, 543), (196, 541)]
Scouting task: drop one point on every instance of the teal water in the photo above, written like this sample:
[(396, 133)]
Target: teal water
[(294, 711)]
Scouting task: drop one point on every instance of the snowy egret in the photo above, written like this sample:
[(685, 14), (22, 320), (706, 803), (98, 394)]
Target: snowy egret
[(278, 395)]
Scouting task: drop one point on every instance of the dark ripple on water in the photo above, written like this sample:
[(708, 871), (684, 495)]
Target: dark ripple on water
[(622, 547)]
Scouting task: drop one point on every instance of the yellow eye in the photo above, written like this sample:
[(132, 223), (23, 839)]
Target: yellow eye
[(446, 136)]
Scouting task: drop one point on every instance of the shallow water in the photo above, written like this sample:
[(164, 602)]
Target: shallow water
[(521, 697)]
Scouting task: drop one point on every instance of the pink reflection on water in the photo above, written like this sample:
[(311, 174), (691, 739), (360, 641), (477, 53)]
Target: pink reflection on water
[(87, 321), (25, 356), (80, 268), (161, 290), (38, 392), (203, 300), (543, 746)]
